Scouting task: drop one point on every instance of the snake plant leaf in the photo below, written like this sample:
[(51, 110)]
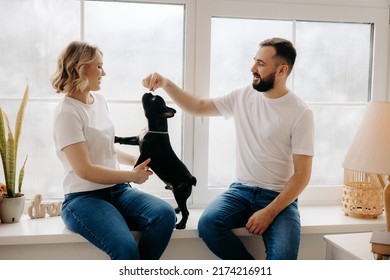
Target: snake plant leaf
[(19, 117), (3, 142), (21, 176), (10, 164), (9, 146)]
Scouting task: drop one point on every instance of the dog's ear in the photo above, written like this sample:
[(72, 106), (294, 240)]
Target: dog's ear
[(169, 113)]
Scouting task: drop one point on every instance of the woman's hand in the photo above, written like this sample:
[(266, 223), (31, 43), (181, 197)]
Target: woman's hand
[(141, 172)]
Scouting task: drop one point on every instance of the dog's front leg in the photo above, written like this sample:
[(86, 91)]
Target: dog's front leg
[(134, 140)]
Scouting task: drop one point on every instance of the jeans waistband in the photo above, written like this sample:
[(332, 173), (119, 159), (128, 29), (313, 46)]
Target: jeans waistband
[(255, 189), (99, 191)]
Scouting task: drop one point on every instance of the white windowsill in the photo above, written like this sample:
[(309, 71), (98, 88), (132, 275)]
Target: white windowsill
[(315, 220)]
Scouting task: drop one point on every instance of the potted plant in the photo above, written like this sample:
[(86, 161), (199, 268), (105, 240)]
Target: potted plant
[(12, 200)]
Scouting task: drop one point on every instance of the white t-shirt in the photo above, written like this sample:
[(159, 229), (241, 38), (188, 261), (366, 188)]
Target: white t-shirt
[(268, 132), (76, 122)]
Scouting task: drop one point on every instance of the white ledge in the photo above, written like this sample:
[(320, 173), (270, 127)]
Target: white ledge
[(314, 220)]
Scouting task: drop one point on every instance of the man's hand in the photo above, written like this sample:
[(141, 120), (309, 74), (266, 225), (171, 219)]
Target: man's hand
[(259, 222), (154, 81)]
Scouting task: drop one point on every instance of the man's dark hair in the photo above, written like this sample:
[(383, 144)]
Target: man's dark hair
[(284, 50)]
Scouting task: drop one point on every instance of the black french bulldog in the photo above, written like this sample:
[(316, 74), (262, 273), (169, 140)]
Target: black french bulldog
[(154, 143)]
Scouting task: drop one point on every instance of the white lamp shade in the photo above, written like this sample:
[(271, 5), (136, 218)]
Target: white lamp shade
[(370, 149)]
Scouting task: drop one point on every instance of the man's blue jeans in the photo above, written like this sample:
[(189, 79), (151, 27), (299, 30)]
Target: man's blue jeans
[(232, 210), (106, 217)]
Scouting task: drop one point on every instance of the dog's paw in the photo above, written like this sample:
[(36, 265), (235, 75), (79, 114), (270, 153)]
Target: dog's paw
[(177, 210), (181, 225)]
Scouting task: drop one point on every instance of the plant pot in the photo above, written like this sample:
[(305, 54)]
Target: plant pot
[(11, 209)]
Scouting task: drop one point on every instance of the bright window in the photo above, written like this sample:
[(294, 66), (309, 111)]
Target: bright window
[(342, 52), (136, 39), (32, 36), (207, 47), (332, 75)]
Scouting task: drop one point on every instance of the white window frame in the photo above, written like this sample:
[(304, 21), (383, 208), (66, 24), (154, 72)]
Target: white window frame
[(375, 12)]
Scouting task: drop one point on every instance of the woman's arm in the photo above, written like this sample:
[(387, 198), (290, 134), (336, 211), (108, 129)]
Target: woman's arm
[(125, 158), (78, 157)]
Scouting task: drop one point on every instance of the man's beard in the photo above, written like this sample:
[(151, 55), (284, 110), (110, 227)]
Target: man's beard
[(265, 83)]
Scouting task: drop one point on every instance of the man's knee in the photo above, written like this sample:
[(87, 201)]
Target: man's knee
[(204, 225), (209, 224)]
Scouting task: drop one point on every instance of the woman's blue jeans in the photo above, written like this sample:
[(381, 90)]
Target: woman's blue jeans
[(105, 218), (232, 210)]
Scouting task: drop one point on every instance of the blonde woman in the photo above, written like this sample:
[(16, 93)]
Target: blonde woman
[(100, 203)]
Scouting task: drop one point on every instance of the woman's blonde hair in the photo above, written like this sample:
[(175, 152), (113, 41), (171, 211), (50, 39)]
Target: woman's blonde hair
[(69, 76)]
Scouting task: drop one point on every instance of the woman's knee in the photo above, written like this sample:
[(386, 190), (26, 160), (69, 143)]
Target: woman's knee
[(169, 214), (124, 250), (166, 214)]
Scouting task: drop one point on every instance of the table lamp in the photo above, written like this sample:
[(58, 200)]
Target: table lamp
[(368, 158)]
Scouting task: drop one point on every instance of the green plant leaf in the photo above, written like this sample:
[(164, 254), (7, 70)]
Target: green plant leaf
[(9, 146), (21, 176), (3, 143), (19, 117), (10, 163)]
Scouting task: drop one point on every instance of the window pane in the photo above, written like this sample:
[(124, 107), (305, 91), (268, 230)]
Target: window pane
[(333, 69), (232, 53), (334, 62), (136, 39), (232, 50), (335, 128), (43, 171), (32, 36)]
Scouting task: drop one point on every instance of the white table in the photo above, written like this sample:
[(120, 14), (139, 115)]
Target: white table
[(349, 246)]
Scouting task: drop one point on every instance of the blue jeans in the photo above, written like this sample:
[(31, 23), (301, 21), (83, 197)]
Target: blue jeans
[(105, 218), (232, 210)]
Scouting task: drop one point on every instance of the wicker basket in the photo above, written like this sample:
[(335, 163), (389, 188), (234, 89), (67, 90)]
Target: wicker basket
[(362, 194)]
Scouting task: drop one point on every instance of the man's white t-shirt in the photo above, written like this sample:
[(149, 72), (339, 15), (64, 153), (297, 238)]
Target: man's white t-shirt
[(268, 131), (76, 122)]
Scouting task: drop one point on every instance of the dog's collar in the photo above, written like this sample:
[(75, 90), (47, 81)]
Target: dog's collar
[(157, 132), (146, 131)]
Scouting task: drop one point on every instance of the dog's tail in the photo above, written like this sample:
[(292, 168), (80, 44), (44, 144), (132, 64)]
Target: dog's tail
[(193, 181)]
